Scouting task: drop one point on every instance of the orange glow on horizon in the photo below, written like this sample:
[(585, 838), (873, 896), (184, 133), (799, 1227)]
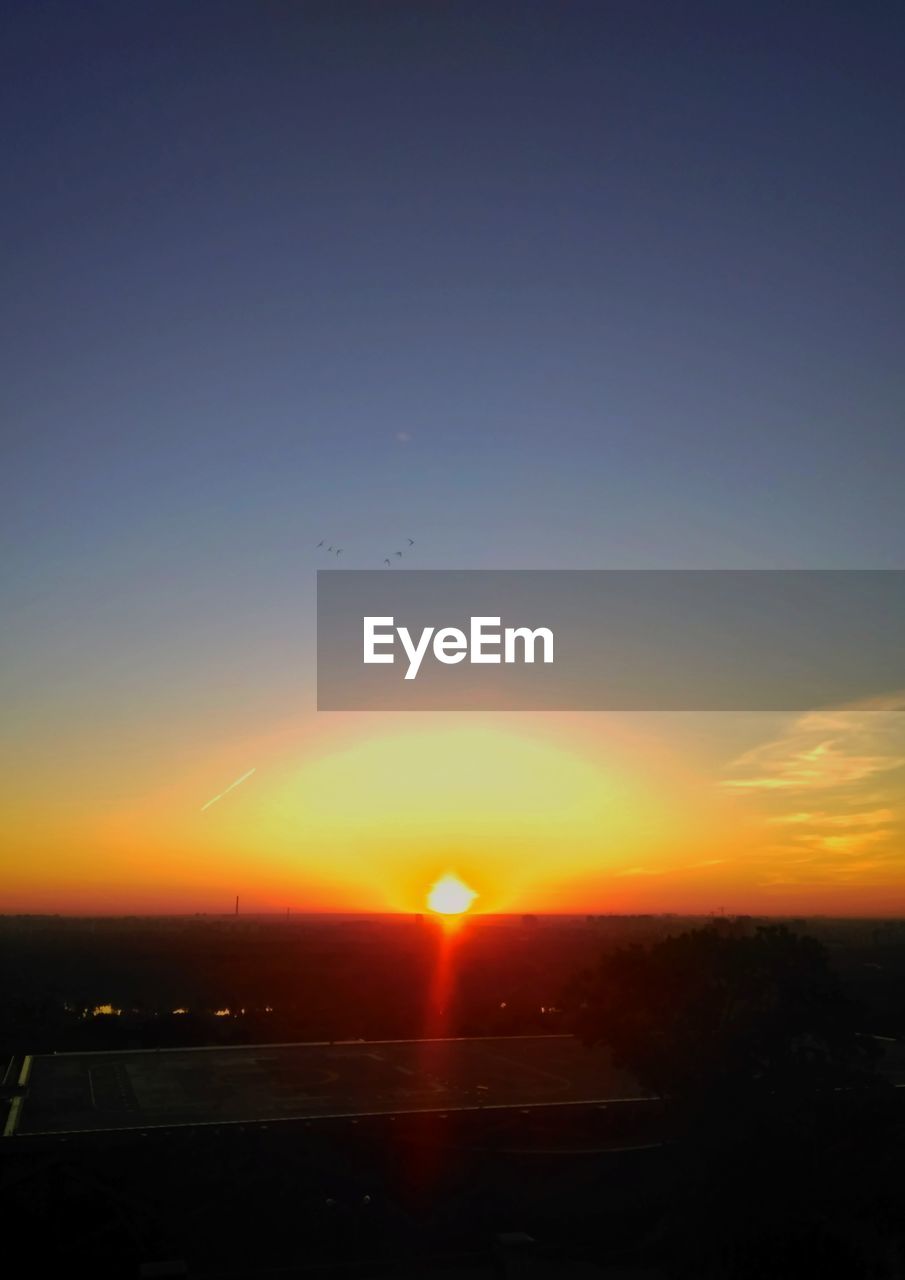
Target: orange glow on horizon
[(765, 814)]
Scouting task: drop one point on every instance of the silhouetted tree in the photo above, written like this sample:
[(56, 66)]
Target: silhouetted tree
[(707, 1013), (780, 1169)]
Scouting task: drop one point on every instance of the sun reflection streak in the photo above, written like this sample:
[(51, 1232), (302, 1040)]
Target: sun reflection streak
[(433, 1051)]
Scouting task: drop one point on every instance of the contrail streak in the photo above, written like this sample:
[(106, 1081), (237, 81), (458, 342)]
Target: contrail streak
[(214, 799)]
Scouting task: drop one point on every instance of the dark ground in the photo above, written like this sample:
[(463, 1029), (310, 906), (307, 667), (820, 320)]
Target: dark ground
[(75, 1092), (619, 1191)]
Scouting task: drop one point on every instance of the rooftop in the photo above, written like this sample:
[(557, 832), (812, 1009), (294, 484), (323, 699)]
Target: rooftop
[(141, 1089)]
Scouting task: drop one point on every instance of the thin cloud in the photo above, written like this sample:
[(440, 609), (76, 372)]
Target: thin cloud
[(831, 787), (866, 818), (827, 750), (847, 843), (666, 871), (226, 790)]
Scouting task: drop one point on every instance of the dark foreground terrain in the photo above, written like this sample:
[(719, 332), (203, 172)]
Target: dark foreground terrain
[(79, 1092), (109, 983), (144, 1134)]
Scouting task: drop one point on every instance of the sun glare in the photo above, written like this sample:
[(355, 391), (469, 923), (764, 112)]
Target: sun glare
[(450, 896)]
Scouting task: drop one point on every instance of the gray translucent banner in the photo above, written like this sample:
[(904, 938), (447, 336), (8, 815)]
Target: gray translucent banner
[(627, 640)]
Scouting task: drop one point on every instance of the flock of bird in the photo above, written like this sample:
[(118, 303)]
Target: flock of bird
[(337, 551)]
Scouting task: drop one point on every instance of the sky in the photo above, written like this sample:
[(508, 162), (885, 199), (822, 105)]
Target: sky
[(539, 285)]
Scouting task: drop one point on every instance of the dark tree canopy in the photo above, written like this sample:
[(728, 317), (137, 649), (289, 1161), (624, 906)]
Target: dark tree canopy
[(706, 1014)]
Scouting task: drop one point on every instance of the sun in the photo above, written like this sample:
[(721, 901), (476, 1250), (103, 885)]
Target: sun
[(450, 896)]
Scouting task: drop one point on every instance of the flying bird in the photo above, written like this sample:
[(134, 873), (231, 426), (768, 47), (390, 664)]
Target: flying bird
[(320, 544), (410, 541), (329, 548), (339, 551), (387, 563), (397, 553)]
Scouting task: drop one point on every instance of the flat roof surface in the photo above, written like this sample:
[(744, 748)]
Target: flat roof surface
[(77, 1092)]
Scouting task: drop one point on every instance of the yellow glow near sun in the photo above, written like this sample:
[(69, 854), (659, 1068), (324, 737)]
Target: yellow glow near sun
[(370, 818), (450, 896)]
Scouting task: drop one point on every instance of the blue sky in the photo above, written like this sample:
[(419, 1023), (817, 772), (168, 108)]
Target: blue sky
[(629, 277), (538, 285)]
